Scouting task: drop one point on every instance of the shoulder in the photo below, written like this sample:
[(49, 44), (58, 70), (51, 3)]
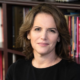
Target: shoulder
[(72, 70), (71, 64), (18, 67), (21, 64)]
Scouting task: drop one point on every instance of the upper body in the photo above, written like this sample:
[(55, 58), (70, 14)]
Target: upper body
[(46, 39), (24, 70)]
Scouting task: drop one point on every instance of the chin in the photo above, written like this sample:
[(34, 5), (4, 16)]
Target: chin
[(43, 53)]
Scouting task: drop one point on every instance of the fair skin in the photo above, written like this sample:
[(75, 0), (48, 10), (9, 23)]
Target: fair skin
[(43, 37)]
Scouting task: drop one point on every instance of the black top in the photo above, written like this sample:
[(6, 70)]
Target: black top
[(23, 70)]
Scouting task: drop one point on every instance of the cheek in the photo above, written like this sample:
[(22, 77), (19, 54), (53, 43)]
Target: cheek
[(34, 39), (54, 39)]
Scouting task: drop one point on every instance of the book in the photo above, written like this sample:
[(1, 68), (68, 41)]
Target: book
[(72, 54), (70, 0), (1, 29), (68, 21), (2, 26), (66, 0), (77, 51), (1, 67), (13, 27), (79, 35), (75, 35), (3, 63), (25, 11), (69, 27), (13, 58)]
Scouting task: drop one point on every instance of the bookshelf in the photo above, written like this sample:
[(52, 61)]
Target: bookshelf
[(7, 5)]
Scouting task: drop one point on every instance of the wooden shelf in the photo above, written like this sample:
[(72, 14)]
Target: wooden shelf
[(33, 3), (1, 49), (15, 52)]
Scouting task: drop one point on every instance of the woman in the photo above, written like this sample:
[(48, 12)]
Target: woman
[(46, 46)]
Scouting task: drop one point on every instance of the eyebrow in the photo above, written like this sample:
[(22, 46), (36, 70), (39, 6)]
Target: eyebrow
[(53, 28), (48, 28)]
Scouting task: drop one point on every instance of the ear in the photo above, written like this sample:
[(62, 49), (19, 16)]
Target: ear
[(28, 36)]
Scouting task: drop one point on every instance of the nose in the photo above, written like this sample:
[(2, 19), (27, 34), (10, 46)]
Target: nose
[(44, 35)]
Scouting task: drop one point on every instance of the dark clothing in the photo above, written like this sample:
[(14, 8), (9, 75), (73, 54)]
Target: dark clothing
[(23, 70)]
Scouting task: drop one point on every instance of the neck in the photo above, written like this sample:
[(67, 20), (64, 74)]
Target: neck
[(42, 61)]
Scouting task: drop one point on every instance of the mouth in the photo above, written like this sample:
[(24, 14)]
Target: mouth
[(43, 44)]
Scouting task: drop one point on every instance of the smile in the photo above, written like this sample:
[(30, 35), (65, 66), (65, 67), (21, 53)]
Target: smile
[(43, 44)]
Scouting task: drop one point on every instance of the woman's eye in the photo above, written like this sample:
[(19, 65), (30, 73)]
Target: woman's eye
[(37, 29), (53, 31)]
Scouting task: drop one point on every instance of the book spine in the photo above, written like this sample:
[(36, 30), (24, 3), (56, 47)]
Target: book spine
[(77, 52), (3, 63), (13, 29), (2, 26), (1, 69), (72, 37), (75, 35), (79, 35), (69, 26), (13, 58), (1, 37)]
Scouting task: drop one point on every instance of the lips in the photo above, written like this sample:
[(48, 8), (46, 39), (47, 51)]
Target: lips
[(43, 44)]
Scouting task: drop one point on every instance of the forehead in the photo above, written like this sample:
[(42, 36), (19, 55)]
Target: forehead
[(43, 15), (44, 19)]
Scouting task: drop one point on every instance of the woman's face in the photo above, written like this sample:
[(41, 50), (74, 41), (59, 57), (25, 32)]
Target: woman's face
[(44, 34)]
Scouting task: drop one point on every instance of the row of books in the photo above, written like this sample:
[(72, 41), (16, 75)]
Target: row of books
[(66, 0), (1, 27), (55, 0), (73, 22)]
